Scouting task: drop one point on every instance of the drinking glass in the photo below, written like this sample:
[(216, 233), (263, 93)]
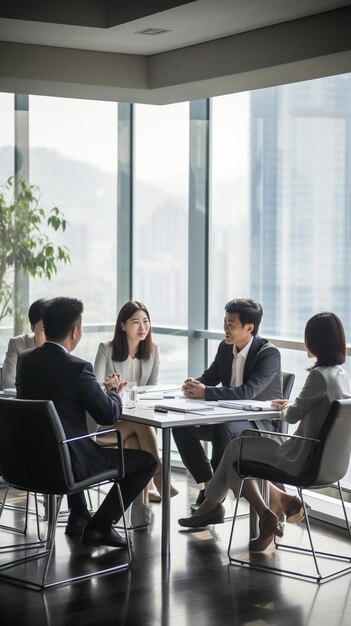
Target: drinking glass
[(130, 395)]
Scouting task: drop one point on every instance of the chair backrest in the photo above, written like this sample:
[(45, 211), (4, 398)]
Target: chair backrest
[(332, 455), (32, 455), (288, 380), (327, 460), (288, 383)]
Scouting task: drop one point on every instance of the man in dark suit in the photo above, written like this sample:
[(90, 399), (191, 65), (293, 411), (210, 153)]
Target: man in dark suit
[(52, 373), (247, 366)]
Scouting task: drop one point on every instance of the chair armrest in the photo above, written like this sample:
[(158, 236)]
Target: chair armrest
[(89, 435), (270, 432), (103, 432)]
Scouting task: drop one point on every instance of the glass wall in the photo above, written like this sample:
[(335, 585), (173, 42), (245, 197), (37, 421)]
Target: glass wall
[(281, 193), (73, 159), (279, 189), (7, 158), (161, 211), (230, 207), (7, 136)]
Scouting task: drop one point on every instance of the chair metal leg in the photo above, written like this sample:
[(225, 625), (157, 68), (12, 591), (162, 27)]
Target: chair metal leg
[(90, 504), (348, 526), (312, 551), (37, 518), (108, 570), (13, 529), (22, 531), (233, 523), (318, 577), (54, 504)]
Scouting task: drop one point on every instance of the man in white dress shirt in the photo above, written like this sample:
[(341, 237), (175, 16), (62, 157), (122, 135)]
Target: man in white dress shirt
[(247, 367)]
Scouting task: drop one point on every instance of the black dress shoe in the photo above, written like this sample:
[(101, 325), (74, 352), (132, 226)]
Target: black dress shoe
[(76, 523), (216, 516), (92, 537), (199, 500)]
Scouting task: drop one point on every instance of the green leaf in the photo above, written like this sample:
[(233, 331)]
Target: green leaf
[(24, 242)]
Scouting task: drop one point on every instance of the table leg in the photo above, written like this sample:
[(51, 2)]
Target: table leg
[(166, 491)]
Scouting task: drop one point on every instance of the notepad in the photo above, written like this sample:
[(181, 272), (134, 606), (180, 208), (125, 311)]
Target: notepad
[(183, 405)]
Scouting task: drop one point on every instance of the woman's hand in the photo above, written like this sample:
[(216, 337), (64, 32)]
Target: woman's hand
[(280, 404)]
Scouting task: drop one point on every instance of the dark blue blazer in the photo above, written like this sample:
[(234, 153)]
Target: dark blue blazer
[(51, 373)]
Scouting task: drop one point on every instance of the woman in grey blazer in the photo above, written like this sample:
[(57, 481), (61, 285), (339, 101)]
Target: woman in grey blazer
[(19, 344), (134, 355), (326, 381)]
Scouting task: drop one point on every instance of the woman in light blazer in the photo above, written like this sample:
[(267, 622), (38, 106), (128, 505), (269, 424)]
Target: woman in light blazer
[(19, 344), (133, 355), (326, 381)]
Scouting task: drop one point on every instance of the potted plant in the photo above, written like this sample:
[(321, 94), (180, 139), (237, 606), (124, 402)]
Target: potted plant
[(25, 246)]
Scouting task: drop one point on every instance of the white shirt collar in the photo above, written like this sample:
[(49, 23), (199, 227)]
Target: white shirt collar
[(244, 351)]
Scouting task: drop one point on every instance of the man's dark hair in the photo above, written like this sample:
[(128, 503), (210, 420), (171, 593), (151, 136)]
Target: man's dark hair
[(59, 315), (35, 311), (249, 311)]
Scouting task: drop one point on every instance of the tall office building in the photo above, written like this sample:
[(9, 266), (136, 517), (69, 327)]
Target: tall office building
[(300, 202)]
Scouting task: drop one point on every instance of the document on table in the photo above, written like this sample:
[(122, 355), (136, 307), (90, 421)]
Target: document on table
[(184, 405), (247, 405), (197, 407), (159, 389)]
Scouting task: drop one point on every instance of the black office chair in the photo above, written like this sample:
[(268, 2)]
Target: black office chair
[(288, 383), (288, 380), (34, 456), (327, 464)]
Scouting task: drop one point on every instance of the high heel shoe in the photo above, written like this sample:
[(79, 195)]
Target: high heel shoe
[(154, 496), (216, 516), (269, 526), (295, 512), (158, 483), (174, 491)]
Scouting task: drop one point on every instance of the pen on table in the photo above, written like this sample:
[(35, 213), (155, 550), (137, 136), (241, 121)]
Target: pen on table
[(250, 407), (159, 409), (169, 397)]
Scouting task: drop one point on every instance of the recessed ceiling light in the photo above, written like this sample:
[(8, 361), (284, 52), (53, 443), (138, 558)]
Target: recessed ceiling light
[(152, 31)]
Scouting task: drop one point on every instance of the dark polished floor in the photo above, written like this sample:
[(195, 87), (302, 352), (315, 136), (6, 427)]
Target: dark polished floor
[(196, 588)]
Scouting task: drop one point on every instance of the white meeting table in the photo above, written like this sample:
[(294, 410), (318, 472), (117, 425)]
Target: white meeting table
[(173, 419)]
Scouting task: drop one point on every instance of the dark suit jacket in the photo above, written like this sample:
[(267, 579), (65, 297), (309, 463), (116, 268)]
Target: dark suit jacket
[(50, 373), (262, 378)]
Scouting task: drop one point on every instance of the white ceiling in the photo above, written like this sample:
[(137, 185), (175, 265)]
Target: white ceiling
[(65, 47), (193, 23)]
